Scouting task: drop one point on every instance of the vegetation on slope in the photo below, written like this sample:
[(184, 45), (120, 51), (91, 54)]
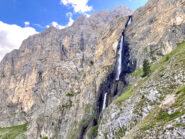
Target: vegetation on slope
[(180, 50), (13, 132), (157, 119)]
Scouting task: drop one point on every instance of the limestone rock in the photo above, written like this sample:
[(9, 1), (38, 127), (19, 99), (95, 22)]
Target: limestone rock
[(52, 81), (156, 29), (168, 102)]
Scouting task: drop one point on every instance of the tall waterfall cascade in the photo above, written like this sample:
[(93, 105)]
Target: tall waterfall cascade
[(120, 48), (104, 101), (119, 59)]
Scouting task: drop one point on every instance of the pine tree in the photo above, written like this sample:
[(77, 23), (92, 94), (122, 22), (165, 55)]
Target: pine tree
[(146, 68)]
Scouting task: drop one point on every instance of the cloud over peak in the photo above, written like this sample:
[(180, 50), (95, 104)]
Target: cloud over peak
[(57, 25), (80, 6), (11, 37)]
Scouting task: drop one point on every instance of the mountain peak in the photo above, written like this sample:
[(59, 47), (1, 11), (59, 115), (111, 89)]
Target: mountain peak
[(103, 17)]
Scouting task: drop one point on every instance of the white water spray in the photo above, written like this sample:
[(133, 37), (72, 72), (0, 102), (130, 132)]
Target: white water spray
[(104, 101), (119, 59), (129, 21)]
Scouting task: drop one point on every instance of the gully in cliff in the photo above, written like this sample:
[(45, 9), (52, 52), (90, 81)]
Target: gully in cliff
[(109, 88), (120, 51), (119, 64)]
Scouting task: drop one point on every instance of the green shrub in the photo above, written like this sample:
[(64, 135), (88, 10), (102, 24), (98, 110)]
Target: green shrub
[(161, 75), (146, 68), (93, 132), (91, 63), (69, 94), (145, 50), (154, 58), (66, 106), (167, 58), (44, 137)]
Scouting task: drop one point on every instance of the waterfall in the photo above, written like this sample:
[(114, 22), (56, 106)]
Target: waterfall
[(129, 21), (119, 64), (104, 101), (109, 87), (119, 58), (120, 48)]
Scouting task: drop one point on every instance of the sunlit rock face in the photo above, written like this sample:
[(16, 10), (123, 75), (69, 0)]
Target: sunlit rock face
[(156, 29), (52, 81)]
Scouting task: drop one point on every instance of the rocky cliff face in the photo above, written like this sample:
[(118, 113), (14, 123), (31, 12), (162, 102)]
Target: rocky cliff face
[(155, 31), (56, 82), (53, 80), (151, 107)]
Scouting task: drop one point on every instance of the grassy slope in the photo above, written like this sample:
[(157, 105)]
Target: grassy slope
[(180, 50), (15, 132), (158, 118)]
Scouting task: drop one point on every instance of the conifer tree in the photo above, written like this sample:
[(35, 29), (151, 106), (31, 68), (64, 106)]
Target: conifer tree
[(146, 68)]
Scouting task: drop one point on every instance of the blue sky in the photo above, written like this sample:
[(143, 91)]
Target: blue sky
[(40, 13), (22, 18)]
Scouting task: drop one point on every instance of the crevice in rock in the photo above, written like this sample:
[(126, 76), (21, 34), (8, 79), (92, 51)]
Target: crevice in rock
[(83, 131), (40, 76), (63, 52), (114, 85), (13, 66)]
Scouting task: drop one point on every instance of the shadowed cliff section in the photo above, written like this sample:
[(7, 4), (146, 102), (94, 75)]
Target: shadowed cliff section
[(110, 86)]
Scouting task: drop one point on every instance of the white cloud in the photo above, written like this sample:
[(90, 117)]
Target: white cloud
[(69, 14), (26, 23), (11, 37), (39, 26), (87, 15), (55, 24), (71, 21), (80, 6)]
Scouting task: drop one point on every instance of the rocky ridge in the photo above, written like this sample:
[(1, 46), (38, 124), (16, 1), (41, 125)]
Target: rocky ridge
[(56, 81)]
